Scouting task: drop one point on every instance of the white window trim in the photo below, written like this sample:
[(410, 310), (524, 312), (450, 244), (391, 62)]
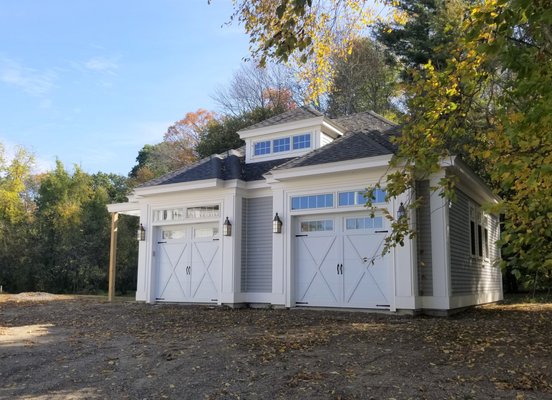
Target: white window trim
[(482, 219), (291, 150)]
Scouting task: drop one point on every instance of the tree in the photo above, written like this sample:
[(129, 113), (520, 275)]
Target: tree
[(308, 33), (253, 87), (363, 82), (16, 219), (222, 134), (427, 33), (505, 44)]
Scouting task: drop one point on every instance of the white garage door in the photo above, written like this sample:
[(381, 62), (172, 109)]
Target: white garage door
[(188, 264), (338, 262)]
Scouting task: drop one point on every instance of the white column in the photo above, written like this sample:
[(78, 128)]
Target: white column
[(440, 252), (279, 259), (405, 282), (231, 250)]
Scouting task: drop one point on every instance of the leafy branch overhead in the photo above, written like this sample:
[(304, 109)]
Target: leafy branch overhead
[(477, 84)]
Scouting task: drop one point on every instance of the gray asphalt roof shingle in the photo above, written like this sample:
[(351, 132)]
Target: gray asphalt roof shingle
[(225, 167), (296, 114), (366, 135)]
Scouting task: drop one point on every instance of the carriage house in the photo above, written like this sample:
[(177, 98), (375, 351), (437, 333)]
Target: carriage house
[(282, 222)]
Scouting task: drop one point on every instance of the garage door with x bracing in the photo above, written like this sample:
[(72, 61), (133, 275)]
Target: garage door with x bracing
[(189, 264), (338, 262)]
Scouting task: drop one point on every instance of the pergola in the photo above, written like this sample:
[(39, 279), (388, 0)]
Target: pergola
[(131, 209)]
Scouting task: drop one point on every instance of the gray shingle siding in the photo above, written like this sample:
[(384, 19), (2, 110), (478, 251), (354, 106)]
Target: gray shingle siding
[(469, 275), (256, 246), (423, 237)]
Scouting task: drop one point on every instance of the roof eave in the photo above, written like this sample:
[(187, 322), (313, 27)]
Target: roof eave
[(328, 168)]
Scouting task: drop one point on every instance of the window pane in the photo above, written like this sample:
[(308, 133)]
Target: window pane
[(280, 145), (380, 196), (360, 198), (262, 148), (486, 243), (378, 222), (317, 226), (343, 199), (301, 142), (315, 201)]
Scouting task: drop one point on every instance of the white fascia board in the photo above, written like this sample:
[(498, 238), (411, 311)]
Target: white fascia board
[(288, 126), (470, 179), (329, 127), (178, 187), (328, 168), (124, 208)]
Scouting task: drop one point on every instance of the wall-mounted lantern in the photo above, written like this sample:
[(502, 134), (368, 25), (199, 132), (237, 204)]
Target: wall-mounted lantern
[(227, 228), (401, 212), (141, 234), (276, 224)]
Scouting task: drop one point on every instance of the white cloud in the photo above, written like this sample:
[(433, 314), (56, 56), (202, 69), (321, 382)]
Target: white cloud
[(102, 64), (32, 81)]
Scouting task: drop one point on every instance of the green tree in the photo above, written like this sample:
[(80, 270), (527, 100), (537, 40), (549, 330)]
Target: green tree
[(427, 34), (221, 134), (17, 229), (363, 82)]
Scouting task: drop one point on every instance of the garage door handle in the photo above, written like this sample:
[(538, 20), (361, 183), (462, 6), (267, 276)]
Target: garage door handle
[(161, 242), (382, 231)]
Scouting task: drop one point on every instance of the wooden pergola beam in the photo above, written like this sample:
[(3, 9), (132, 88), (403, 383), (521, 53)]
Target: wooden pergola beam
[(113, 255)]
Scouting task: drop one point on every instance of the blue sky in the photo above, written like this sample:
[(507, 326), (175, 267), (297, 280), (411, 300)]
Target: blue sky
[(91, 81)]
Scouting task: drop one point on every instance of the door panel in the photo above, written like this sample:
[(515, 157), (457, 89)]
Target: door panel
[(172, 280), (365, 273), (317, 280), (205, 271), (189, 264), (342, 267)]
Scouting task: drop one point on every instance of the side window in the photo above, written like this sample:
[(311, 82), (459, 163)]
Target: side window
[(472, 230)]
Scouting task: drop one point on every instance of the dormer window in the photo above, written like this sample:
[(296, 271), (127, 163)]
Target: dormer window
[(262, 148), (279, 145)]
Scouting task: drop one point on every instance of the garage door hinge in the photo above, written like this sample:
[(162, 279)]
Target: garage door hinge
[(154, 253), (301, 235)]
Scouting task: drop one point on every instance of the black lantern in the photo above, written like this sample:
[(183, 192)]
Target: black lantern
[(401, 212), (227, 228), (141, 234), (276, 224)]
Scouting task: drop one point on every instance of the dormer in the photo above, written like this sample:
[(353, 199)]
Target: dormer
[(291, 134)]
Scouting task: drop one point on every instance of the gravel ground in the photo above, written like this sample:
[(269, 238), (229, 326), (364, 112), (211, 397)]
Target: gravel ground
[(61, 347)]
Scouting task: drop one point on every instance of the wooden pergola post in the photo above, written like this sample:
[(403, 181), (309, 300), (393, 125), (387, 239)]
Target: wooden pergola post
[(113, 255)]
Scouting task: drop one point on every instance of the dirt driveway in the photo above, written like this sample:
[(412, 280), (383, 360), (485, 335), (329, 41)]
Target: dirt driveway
[(88, 349)]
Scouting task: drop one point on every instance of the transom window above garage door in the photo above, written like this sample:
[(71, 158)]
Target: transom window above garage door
[(313, 201), (323, 225), (363, 223), (357, 198)]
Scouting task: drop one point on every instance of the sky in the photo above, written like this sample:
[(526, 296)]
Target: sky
[(89, 82)]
